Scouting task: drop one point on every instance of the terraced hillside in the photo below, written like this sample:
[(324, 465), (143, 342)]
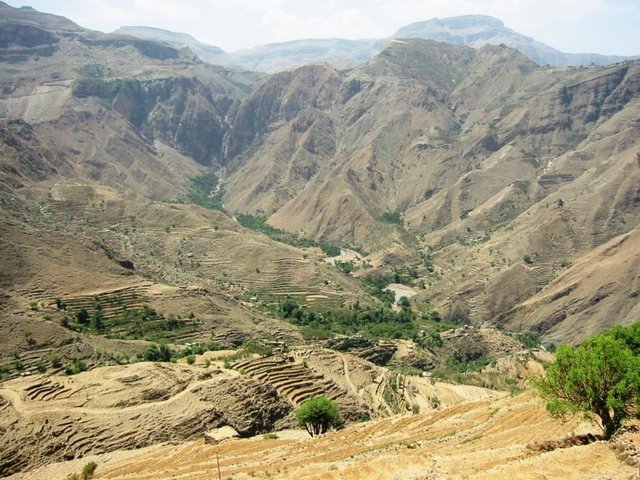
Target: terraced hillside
[(512, 437), (361, 388), (112, 408), (293, 381)]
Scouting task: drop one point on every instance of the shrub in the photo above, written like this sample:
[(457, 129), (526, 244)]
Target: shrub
[(157, 353), (82, 316), (191, 359), (41, 366), (392, 217), (88, 470), (54, 359)]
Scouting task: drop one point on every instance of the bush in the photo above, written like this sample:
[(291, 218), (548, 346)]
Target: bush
[(191, 359), (318, 414), (41, 366), (157, 353), (392, 217), (330, 250), (82, 316), (88, 470)]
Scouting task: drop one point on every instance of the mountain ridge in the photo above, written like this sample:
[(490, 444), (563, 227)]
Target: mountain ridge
[(472, 30)]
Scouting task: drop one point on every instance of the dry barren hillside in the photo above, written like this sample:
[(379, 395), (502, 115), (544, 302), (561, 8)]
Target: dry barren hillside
[(102, 138), (476, 159), (379, 236), (507, 438)]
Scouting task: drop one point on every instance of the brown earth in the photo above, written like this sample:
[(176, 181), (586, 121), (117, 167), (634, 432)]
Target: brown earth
[(512, 437), (53, 418)]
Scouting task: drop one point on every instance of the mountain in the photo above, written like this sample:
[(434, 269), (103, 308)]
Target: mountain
[(441, 159), (208, 53), (276, 57), (102, 137), (479, 30), (187, 246), (458, 159)]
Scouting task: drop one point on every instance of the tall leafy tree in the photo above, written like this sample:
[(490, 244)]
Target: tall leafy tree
[(600, 378)]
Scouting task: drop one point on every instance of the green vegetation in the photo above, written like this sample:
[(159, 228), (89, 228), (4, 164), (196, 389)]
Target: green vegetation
[(527, 259), (78, 366), (345, 267), (157, 353), (41, 367), (137, 324), (375, 285), (377, 322), (201, 190), (392, 217), (162, 352), (88, 470), (247, 349), (259, 224), (97, 87), (318, 414), (330, 250), (600, 378), (529, 340)]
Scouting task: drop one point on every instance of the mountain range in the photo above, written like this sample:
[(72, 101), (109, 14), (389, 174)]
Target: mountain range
[(471, 30), (319, 231)]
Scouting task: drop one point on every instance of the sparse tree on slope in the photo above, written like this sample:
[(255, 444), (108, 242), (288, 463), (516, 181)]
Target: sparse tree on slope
[(601, 378), (318, 415)]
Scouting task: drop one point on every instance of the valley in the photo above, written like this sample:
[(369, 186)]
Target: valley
[(189, 246)]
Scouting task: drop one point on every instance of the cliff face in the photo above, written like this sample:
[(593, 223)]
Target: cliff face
[(181, 112)]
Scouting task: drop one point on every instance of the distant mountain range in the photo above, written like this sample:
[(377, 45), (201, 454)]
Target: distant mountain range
[(471, 30), (479, 30), (208, 53)]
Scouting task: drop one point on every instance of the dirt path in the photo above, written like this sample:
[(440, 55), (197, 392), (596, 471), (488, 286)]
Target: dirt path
[(346, 374)]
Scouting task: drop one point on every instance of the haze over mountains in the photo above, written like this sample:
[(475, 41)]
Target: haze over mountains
[(180, 203), (471, 30)]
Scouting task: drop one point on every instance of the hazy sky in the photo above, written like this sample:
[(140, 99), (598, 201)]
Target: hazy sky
[(598, 26)]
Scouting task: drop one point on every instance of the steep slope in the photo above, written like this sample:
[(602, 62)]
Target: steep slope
[(471, 147), (508, 438), (99, 144)]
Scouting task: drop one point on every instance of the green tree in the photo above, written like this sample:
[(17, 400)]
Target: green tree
[(82, 316), (157, 353), (318, 414), (600, 378)]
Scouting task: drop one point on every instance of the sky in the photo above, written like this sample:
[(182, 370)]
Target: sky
[(594, 26)]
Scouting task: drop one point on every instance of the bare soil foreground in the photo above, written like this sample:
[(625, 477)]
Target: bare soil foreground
[(505, 438)]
